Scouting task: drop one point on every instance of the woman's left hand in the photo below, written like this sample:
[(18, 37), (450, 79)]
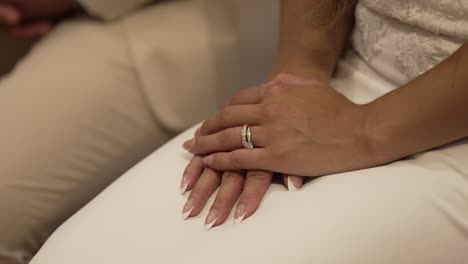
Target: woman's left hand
[(306, 130)]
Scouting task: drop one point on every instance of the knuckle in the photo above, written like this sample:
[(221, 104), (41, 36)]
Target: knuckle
[(209, 186), (271, 110), (195, 167), (238, 95), (224, 114), (197, 144), (282, 77), (204, 128), (258, 176), (232, 177), (272, 90), (280, 153), (216, 161), (236, 159), (223, 139)]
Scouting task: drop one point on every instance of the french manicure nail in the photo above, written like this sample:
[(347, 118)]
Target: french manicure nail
[(188, 208), (184, 184), (291, 186), (209, 160), (210, 220), (189, 145), (240, 213)]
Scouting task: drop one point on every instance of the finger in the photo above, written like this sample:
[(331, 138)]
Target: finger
[(9, 16), (192, 173), (232, 116), (30, 30), (229, 191), (226, 140), (240, 159), (255, 187), (197, 133), (293, 183), (252, 95), (203, 189)]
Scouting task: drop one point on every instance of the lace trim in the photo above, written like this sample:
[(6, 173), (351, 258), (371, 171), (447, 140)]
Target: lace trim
[(417, 50), (369, 30), (447, 17)]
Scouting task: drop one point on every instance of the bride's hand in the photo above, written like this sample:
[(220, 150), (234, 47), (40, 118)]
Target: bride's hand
[(308, 130), (246, 188)]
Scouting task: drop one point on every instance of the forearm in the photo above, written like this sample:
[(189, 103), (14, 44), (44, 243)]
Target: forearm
[(313, 34), (428, 112)]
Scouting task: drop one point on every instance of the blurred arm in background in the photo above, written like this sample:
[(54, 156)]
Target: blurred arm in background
[(31, 19)]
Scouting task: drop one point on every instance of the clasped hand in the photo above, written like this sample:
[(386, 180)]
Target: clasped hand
[(298, 127)]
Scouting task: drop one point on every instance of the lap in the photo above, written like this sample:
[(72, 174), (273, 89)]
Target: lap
[(411, 211), (406, 212)]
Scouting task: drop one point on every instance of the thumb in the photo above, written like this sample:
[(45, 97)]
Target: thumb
[(9, 16), (294, 183)]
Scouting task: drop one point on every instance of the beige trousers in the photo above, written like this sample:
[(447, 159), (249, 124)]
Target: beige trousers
[(72, 121), (92, 99), (74, 117)]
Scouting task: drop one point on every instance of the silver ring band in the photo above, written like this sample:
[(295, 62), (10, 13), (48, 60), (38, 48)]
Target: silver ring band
[(247, 137)]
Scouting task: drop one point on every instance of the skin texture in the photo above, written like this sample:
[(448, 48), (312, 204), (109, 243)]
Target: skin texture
[(323, 133), (307, 130), (429, 112), (312, 36), (31, 19)]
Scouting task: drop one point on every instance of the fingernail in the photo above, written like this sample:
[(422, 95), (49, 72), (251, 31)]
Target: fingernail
[(184, 184), (240, 213), (291, 186), (197, 132), (211, 219), (189, 145), (209, 160), (188, 208)]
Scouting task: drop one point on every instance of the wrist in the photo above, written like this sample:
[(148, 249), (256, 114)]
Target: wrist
[(384, 141), (365, 149), (310, 72)]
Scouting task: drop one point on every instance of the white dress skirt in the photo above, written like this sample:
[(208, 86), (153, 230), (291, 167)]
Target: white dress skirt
[(411, 211)]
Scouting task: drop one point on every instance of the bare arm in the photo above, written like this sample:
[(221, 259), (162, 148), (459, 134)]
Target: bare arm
[(428, 112), (312, 35)]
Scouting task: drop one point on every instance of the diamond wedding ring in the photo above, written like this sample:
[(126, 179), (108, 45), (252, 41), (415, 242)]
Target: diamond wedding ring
[(246, 136)]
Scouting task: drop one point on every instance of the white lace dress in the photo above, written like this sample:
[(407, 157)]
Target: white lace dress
[(402, 39), (410, 212)]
